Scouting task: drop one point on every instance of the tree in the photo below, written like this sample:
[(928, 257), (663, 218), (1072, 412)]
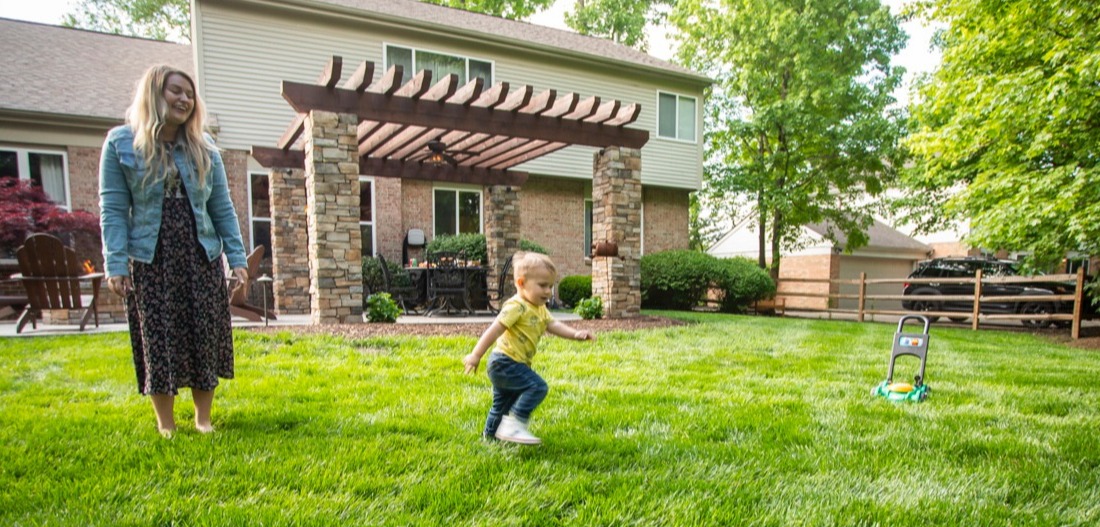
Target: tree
[(156, 19), (1007, 130), (25, 210), (797, 122), (511, 9), (623, 21)]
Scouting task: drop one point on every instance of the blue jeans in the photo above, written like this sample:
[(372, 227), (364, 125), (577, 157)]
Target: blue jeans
[(517, 389)]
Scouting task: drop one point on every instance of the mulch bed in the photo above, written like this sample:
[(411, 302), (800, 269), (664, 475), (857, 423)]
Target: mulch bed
[(361, 331)]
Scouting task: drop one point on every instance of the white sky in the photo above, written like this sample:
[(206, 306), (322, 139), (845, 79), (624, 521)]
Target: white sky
[(916, 57)]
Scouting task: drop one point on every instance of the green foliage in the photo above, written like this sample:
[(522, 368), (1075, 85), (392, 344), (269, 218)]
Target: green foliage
[(155, 19), (1005, 131), (573, 289), (741, 282), (381, 307), (374, 282), (676, 279), (590, 308), (797, 125), (473, 245), (532, 247), (623, 21), (513, 9)]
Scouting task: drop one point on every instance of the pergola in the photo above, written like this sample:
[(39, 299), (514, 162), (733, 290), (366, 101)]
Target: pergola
[(387, 128)]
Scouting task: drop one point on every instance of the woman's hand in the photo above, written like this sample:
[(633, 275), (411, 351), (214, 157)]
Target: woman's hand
[(120, 285), (241, 274)]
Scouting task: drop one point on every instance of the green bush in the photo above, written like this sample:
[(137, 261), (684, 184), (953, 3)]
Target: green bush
[(474, 246), (677, 279), (590, 308), (381, 308), (573, 289), (532, 247), (373, 281), (742, 282)]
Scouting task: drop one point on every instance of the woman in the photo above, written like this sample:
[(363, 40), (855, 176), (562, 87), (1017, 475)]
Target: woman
[(167, 218)]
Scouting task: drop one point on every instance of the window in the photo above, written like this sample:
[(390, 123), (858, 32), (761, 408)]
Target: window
[(588, 228), (259, 202), (441, 64), (675, 116), (46, 169), (457, 211), (366, 214)]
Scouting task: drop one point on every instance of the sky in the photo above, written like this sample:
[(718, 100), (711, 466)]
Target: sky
[(916, 57)]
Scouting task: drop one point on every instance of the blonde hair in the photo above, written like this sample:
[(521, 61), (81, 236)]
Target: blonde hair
[(146, 114), (525, 262)]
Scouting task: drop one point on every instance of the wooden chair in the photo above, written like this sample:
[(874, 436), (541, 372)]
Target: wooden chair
[(502, 292), (52, 276), (406, 293), (238, 297)]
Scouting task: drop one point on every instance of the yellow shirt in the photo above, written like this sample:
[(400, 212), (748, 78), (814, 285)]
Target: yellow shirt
[(524, 324)]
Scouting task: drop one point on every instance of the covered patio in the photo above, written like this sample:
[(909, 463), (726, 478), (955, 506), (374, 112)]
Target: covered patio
[(436, 131)]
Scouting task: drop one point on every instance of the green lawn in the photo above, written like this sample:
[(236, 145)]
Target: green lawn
[(730, 421)]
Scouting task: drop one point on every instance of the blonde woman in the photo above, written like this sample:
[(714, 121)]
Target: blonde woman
[(167, 218)]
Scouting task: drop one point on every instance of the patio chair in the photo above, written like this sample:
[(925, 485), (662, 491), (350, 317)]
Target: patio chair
[(502, 291), (238, 296), (52, 276), (448, 282), (404, 292)]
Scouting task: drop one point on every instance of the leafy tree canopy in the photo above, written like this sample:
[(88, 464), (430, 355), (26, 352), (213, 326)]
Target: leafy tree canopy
[(797, 124), (155, 19), (623, 21), (512, 9), (1007, 130)]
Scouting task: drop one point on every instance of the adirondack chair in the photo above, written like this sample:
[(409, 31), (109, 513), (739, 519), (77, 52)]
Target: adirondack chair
[(238, 297), (52, 276)]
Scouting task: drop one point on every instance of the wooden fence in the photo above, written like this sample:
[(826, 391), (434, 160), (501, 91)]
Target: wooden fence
[(976, 316)]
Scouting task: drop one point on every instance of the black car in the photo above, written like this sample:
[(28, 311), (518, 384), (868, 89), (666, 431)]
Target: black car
[(967, 268)]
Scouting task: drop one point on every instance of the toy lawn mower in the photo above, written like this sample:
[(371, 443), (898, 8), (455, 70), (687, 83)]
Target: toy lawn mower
[(915, 344)]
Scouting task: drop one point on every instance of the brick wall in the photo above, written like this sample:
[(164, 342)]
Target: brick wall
[(818, 267), (552, 215), (84, 178), (665, 219), (236, 171)]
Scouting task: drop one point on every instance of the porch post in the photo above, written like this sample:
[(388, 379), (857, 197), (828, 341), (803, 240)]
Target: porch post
[(332, 204), (501, 228), (617, 217), (290, 260)]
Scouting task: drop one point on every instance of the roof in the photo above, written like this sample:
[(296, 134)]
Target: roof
[(879, 236), (57, 70), (487, 27)]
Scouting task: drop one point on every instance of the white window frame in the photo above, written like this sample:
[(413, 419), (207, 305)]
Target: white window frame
[(252, 217), (456, 189), (23, 166), (466, 58), (694, 117), (374, 214)]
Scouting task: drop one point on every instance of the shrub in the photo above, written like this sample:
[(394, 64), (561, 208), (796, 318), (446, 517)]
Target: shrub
[(381, 308), (742, 282), (532, 247), (590, 308), (573, 289), (25, 209), (374, 282), (474, 246), (676, 279)]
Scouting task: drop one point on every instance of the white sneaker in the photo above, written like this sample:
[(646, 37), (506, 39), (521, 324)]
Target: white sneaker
[(515, 431)]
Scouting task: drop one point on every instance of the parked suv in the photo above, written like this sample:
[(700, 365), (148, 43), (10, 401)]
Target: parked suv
[(967, 268)]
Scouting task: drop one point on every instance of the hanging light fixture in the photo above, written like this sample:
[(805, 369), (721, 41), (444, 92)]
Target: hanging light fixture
[(438, 155)]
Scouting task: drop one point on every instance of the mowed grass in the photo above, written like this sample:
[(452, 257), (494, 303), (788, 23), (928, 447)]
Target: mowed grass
[(729, 421)]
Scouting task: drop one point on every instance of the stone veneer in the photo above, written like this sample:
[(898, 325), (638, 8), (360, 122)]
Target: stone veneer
[(617, 217), (502, 228), (289, 241), (332, 201)]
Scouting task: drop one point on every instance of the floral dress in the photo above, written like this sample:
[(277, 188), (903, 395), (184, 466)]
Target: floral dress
[(178, 312)]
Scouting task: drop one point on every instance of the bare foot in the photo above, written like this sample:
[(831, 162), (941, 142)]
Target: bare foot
[(204, 428), (167, 433)]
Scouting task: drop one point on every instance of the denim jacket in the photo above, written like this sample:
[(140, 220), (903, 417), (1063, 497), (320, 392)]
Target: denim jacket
[(131, 209)]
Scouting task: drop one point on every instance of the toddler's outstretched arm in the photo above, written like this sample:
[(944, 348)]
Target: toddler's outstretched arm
[(566, 332), (491, 334)]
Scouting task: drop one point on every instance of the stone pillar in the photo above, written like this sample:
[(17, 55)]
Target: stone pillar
[(289, 241), (617, 217), (502, 229), (332, 203)]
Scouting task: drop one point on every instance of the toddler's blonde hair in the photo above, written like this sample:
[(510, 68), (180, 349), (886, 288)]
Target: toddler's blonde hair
[(525, 262)]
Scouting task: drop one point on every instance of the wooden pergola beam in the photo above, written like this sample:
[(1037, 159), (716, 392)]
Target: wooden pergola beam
[(296, 159)]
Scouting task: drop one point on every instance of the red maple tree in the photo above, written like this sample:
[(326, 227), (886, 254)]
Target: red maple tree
[(25, 209)]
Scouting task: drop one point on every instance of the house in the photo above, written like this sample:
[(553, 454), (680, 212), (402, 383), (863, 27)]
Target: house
[(246, 50), (888, 254)]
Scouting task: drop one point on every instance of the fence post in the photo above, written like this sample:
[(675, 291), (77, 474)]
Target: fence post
[(862, 293), (977, 300), (1078, 297)]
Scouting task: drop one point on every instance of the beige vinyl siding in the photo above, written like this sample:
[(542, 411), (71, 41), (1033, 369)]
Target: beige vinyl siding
[(244, 55)]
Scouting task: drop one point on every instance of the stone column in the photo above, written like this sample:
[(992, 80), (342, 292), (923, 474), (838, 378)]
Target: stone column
[(502, 228), (332, 201), (289, 241), (617, 217)]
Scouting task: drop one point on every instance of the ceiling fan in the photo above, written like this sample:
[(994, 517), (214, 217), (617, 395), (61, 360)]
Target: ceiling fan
[(439, 155)]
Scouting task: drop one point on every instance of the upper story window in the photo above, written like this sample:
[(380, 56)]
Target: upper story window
[(45, 168), (457, 211), (441, 64), (676, 116)]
